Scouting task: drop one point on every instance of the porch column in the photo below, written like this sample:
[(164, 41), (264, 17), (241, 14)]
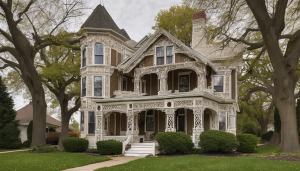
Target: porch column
[(163, 82), (170, 120), (99, 133), (132, 126), (198, 125), (137, 83), (201, 81)]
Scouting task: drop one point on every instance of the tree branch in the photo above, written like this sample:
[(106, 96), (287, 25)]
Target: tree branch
[(6, 35), (75, 108), (11, 63), (255, 89)]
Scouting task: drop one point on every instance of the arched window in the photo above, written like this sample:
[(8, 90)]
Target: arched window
[(84, 56), (98, 53)]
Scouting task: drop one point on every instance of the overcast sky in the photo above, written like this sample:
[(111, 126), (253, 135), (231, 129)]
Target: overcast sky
[(135, 16)]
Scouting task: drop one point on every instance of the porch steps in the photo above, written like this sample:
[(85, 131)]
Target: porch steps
[(140, 150)]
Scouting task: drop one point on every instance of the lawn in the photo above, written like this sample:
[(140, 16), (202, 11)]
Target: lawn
[(267, 149), (196, 162), (14, 149), (45, 161)]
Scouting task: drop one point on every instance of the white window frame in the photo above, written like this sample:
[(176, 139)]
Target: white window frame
[(184, 73), (173, 56), (165, 55), (103, 54), (88, 121), (213, 83), (103, 85)]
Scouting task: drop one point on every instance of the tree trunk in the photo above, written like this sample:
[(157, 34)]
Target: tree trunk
[(39, 121), (289, 134), (275, 140), (263, 129), (65, 118)]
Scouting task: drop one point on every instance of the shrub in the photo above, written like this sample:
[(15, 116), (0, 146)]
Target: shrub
[(267, 136), (29, 132), (11, 134), (249, 128), (172, 142), (220, 141), (53, 138), (109, 147), (46, 149), (92, 150), (247, 143), (27, 143), (74, 144), (74, 134), (258, 132)]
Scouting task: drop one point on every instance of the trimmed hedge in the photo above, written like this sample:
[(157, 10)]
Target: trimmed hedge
[(172, 142), (267, 136), (74, 144), (247, 143), (220, 141), (109, 147)]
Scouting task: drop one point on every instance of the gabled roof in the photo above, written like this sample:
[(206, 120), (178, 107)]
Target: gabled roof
[(143, 40), (126, 65), (25, 115), (100, 18)]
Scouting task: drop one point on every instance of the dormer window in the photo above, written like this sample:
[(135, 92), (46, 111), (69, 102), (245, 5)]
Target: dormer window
[(84, 56), (160, 55), (98, 53)]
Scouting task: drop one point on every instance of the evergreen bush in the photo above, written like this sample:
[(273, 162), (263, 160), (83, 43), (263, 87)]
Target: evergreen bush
[(217, 141), (74, 144), (267, 136), (11, 135), (46, 149), (109, 147), (29, 132), (247, 143), (172, 142)]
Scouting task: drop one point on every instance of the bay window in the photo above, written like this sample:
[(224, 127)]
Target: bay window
[(98, 53)]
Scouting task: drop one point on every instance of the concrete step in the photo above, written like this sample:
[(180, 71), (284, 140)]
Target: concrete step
[(137, 155), (137, 149), (141, 144), (138, 152)]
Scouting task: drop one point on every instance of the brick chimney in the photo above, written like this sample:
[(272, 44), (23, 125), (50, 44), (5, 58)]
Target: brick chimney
[(199, 37)]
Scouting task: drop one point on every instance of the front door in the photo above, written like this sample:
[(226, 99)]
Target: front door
[(206, 121), (180, 123)]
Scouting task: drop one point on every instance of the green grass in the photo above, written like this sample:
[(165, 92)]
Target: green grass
[(267, 149), (45, 161), (195, 162)]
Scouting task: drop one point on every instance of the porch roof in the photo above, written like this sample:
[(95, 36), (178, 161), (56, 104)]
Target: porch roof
[(192, 94)]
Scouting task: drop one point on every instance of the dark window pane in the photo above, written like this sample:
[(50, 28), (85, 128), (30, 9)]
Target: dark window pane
[(91, 123), (124, 85), (83, 86), (149, 123), (184, 88), (91, 117), (181, 111), (218, 81), (181, 123), (82, 121), (150, 112), (184, 80), (218, 88), (222, 120), (169, 51), (98, 59), (97, 86), (169, 59), (84, 56), (160, 61), (91, 128), (160, 52), (83, 62), (98, 49)]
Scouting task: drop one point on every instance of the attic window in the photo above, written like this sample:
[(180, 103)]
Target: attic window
[(169, 55), (160, 55), (98, 53)]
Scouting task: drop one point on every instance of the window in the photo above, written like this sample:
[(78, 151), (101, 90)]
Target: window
[(91, 123), (218, 83), (84, 56), (82, 121), (169, 54), (98, 53), (150, 121), (184, 83), (124, 84), (83, 91), (222, 121), (160, 55), (97, 86)]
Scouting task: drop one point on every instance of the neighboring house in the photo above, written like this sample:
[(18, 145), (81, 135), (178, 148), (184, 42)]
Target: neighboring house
[(132, 90), (270, 127), (25, 115)]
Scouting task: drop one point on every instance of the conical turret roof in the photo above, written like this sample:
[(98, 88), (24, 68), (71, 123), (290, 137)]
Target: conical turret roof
[(100, 18)]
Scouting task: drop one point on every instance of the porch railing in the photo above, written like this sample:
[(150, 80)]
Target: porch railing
[(125, 143)]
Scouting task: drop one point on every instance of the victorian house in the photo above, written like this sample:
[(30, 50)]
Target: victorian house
[(133, 90)]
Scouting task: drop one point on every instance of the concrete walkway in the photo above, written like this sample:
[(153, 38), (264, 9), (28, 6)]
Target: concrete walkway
[(13, 151), (113, 162)]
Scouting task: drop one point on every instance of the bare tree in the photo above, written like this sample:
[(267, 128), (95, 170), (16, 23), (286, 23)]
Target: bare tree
[(28, 26)]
